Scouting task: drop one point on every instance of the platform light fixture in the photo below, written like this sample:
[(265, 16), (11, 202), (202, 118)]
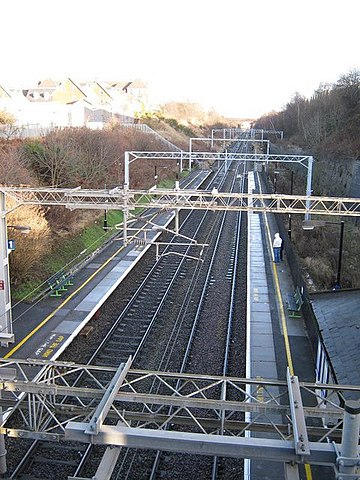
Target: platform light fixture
[(24, 229)]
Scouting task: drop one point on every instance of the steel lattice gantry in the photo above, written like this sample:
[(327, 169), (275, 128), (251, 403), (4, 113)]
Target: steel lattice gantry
[(121, 407), (168, 199), (125, 199), (191, 156), (231, 133)]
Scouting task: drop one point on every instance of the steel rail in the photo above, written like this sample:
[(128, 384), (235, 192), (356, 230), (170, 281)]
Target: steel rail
[(168, 354), (230, 324), (196, 319), (31, 451)]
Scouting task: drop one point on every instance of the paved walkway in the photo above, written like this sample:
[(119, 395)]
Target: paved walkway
[(48, 327), (268, 287)]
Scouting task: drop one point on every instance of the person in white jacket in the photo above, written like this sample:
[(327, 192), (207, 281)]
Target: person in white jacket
[(277, 247)]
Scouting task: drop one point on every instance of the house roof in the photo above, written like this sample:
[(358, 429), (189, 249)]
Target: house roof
[(4, 92), (88, 88), (48, 82), (337, 313), (39, 94), (138, 84), (119, 85), (77, 85)]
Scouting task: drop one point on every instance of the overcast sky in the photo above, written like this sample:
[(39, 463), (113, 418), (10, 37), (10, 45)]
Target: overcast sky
[(241, 58)]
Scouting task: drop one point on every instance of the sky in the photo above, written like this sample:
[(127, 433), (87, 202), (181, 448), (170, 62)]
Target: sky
[(241, 58)]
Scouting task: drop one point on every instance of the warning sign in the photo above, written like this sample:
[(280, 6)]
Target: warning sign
[(2, 285)]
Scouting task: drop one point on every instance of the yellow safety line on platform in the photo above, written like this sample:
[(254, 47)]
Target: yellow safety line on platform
[(280, 302), (283, 321), (29, 335), (308, 472)]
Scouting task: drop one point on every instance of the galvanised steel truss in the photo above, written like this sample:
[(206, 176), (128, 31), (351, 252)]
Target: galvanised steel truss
[(117, 198), (231, 133), (190, 157), (177, 412), (212, 140), (305, 161), (123, 198)]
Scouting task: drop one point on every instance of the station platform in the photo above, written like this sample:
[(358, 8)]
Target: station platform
[(43, 330), (269, 325)]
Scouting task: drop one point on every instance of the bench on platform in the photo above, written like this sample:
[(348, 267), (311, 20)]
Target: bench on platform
[(59, 283), (294, 303)]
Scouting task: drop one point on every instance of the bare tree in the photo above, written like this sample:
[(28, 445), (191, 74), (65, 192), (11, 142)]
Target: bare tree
[(12, 171), (50, 159), (8, 127)]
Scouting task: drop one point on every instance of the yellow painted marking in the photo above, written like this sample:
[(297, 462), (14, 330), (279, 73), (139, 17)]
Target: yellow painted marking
[(260, 391), (308, 471), (281, 305), (283, 322), (37, 328), (72, 295)]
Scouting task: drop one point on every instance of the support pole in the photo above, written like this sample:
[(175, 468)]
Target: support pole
[(190, 148), (127, 169), (308, 185), (155, 175), (350, 439), (338, 275), (157, 252), (177, 223), (291, 192), (125, 213), (6, 334), (3, 467)]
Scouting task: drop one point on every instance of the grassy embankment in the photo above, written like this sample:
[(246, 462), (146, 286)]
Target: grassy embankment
[(70, 251)]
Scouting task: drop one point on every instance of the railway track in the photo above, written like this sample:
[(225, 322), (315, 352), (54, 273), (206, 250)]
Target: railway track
[(165, 306)]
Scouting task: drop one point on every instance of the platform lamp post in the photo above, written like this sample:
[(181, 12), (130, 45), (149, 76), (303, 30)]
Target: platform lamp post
[(291, 192), (311, 224), (156, 176), (24, 229), (105, 224)]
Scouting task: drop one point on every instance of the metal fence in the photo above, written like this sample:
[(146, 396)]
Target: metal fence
[(142, 127), (36, 130)]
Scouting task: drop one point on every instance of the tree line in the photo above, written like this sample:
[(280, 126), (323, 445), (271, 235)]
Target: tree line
[(66, 158), (311, 121)]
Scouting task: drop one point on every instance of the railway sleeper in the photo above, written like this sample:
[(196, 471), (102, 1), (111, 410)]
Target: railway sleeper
[(120, 349), (120, 334), (124, 345), (53, 461), (130, 314)]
